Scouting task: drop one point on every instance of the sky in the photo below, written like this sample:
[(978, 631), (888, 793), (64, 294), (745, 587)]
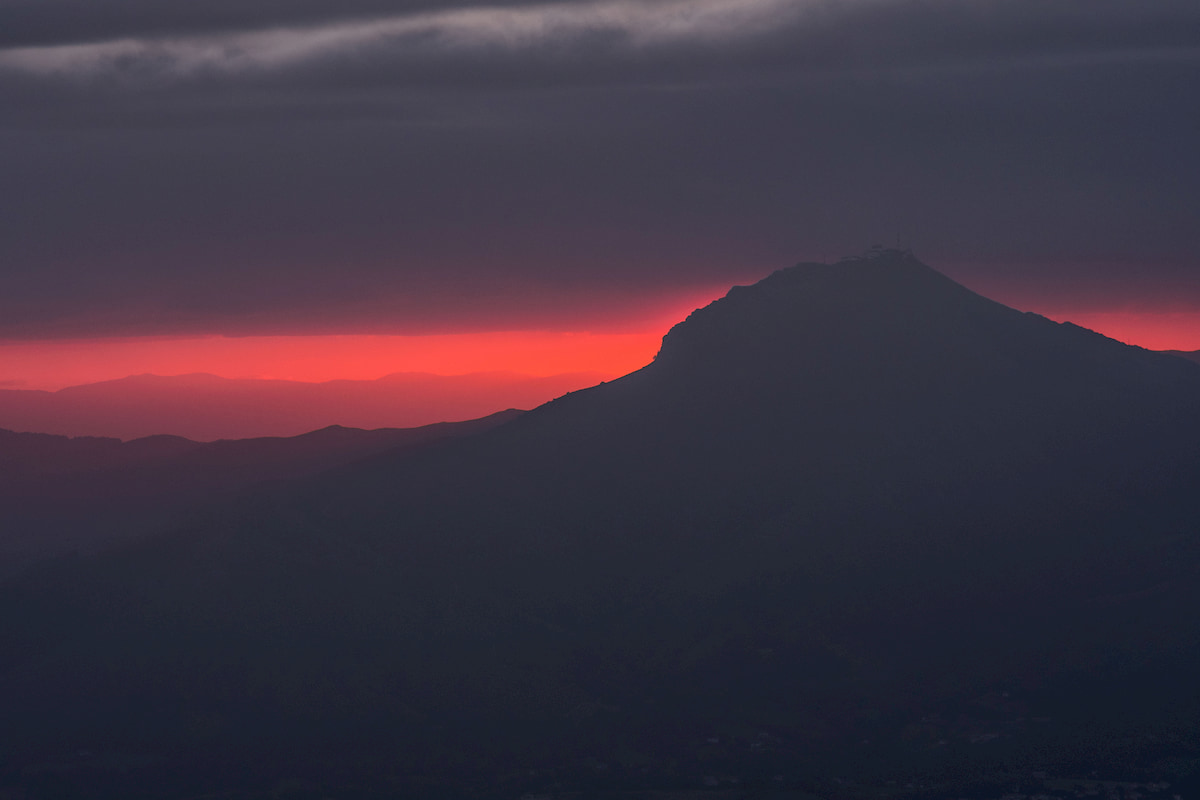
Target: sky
[(235, 171)]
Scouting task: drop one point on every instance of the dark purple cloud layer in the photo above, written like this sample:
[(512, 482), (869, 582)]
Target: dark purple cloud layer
[(366, 165)]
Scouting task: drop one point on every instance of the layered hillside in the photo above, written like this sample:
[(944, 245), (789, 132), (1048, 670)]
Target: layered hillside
[(842, 512)]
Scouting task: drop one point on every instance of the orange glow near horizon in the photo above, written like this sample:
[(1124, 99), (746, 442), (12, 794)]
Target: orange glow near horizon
[(55, 364)]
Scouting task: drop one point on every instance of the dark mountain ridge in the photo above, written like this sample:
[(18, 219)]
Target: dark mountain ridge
[(839, 504)]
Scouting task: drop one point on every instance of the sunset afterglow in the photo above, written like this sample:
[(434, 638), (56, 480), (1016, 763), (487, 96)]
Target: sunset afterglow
[(57, 364), (1154, 330)]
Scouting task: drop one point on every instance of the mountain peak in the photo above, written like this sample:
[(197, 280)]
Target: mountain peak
[(876, 270), (880, 253), (879, 299)]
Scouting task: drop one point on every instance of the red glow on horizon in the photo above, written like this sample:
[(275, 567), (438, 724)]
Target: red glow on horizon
[(55, 364), (1153, 330), (52, 365), (1156, 317)]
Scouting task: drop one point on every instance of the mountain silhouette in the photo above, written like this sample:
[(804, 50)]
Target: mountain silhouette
[(853, 520)]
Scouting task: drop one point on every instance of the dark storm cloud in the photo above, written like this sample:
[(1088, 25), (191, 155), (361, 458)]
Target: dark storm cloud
[(624, 41), (266, 166), (42, 22), (130, 63)]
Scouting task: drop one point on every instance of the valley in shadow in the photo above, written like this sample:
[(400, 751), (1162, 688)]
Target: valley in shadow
[(856, 532)]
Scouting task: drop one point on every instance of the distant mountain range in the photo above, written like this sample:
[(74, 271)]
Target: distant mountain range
[(856, 532), (206, 407), (1190, 355), (62, 495)]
